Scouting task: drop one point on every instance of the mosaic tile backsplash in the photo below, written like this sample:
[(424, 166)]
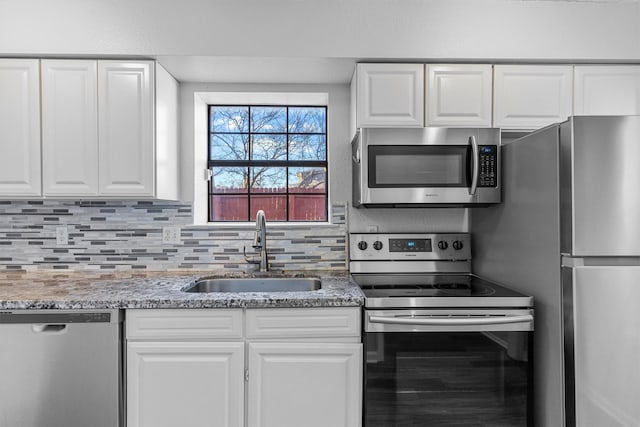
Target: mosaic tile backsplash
[(127, 235)]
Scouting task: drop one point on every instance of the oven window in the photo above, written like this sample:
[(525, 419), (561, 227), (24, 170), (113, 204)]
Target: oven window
[(411, 166), (447, 379)]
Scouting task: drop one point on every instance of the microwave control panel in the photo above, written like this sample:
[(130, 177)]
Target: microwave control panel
[(488, 160)]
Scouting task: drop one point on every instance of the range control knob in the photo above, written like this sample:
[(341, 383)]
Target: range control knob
[(362, 245), (377, 245), (457, 245), (443, 245)]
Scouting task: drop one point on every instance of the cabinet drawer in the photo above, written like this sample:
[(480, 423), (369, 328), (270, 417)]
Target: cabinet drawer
[(303, 322), (184, 324)]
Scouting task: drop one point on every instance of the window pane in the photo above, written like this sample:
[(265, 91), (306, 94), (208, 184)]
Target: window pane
[(229, 208), (268, 180), (227, 146), (245, 145), (269, 147), (229, 180), (307, 180), (307, 147), (268, 119), (229, 119), (307, 207), (274, 206), (307, 119)]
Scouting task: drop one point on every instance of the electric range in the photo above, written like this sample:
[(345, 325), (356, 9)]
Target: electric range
[(443, 346)]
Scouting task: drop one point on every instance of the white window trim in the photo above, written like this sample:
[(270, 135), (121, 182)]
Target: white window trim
[(201, 138)]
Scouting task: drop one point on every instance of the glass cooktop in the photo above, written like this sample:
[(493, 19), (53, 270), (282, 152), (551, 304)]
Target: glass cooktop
[(436, 290)]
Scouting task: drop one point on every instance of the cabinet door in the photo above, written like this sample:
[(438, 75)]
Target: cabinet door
[(459, 95), (390, 95), (20, 128), (185, 384), (69, 127), (304, 384), (125, 123), (531, 96), (606, 90)]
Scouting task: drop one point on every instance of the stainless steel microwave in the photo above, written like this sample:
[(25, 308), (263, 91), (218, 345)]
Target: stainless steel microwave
[(426, 167)]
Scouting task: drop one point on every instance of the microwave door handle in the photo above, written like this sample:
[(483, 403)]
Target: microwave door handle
[(452, 321), (474, 165)]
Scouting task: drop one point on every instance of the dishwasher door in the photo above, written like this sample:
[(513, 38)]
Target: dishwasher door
[(61, 368)]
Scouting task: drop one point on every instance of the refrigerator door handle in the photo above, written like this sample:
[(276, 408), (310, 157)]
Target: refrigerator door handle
[(474, 165)]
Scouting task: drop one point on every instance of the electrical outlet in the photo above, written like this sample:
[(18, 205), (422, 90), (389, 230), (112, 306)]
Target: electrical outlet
[(170, 235), (62, 235)]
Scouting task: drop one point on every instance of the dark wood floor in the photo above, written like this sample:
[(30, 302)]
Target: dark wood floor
[(461, 380)]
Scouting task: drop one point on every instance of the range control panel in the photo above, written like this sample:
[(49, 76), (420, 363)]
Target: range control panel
[(409, 246)]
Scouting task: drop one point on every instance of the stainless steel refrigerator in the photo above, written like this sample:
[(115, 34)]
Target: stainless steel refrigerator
[(568, 233)]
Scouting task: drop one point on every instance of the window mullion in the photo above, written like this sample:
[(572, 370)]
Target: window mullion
[(249, 169), (286, 170)]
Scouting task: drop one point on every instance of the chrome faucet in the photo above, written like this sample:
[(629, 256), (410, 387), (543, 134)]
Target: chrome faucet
[(260, 242)]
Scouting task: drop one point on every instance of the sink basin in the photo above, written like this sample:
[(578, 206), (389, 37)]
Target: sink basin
[(255, 284)]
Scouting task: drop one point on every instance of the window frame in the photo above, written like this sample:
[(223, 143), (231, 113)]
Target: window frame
[(251, 163)]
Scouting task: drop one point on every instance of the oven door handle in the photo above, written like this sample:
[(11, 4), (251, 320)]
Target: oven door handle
[(452, 320)]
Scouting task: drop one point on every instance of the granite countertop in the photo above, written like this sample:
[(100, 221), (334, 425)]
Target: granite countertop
[(95, 290)]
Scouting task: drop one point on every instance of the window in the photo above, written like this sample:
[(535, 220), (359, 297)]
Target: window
[(272, 158)]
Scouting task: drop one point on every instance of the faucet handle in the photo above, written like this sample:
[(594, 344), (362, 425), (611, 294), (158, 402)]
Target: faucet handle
[(250, 260)]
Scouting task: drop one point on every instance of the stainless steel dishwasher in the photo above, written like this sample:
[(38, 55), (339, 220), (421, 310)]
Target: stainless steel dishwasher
[(61, 368)]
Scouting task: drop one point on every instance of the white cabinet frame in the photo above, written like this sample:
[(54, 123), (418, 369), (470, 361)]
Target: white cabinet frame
[(319, 383), (70, 127), (459, 95), (606, 90), (20, 173), (390, 95), (531, 96)]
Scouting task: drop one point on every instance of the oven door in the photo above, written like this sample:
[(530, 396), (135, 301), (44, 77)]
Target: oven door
[(448, 368)]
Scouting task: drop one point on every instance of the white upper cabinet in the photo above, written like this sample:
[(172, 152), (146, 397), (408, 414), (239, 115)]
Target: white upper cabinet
[(20, 128), (606, 90), (125, 111), (459, 95), (69, 127), (390, 95), (109, 129), (531, 96)]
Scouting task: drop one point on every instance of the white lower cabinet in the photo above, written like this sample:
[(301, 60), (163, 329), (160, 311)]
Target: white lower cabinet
[(247, 368), (296, 384), (185, 384)]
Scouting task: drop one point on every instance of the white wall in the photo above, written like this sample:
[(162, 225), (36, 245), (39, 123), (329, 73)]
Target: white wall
[(423, 29)]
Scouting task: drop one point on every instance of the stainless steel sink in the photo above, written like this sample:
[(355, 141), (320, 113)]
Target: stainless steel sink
[(255, 284)]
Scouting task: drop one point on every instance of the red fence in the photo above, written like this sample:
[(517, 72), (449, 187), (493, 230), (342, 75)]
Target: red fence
[(304, 205)]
